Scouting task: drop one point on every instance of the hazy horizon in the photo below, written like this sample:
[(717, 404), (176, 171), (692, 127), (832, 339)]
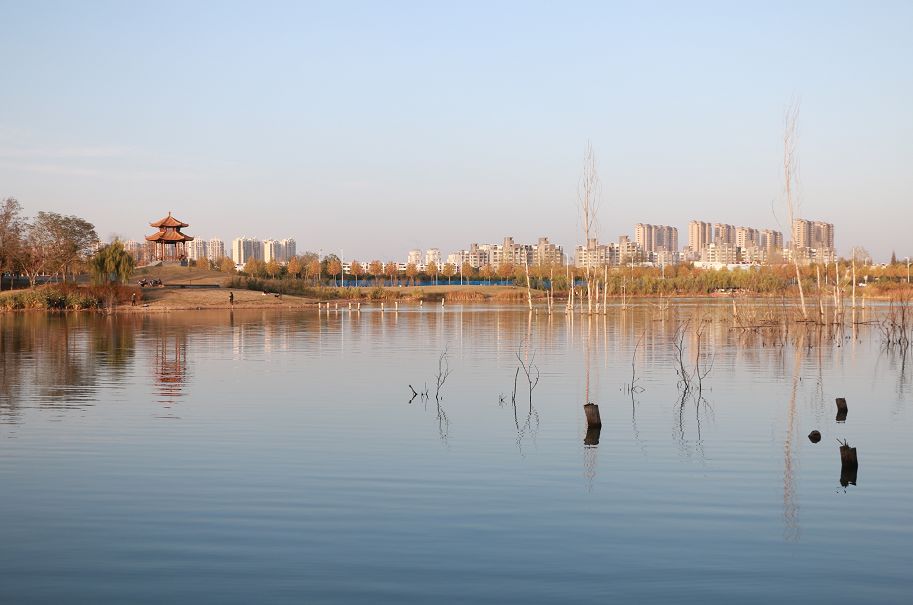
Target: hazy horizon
[(379, 128)]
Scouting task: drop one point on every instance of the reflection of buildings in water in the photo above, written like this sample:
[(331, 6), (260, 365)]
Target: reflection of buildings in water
[(170, 365)]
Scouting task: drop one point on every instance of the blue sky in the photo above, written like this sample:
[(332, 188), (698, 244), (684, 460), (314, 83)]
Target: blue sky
[(378, 127)]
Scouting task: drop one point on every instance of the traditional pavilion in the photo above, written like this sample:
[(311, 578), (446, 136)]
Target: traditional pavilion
[(169, 244)]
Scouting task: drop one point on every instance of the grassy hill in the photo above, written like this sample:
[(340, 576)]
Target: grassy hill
[(174, 274)]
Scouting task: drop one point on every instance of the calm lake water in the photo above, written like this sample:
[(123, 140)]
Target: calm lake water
[(255, 457)]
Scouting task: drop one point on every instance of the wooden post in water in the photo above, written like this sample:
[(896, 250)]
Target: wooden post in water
[(814, 436), (842, 409), (592, 416)]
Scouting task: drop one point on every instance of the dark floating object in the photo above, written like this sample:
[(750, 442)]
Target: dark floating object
[(841, 409), (849, 465), (592, 415), (592, 436), (814, 436)]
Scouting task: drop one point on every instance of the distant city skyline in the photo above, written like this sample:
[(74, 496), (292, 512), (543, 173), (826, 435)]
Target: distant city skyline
[(377, 128)]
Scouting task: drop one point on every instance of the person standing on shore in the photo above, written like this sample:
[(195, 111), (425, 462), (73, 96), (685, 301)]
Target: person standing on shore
[(133, 300), (231, 299)]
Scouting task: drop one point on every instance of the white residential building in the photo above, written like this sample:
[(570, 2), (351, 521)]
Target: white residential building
[(246, 248), (216, 249), (198, 249)]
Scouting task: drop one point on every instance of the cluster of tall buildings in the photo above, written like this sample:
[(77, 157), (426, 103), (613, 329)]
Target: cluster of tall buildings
[(543, 252), (722, 243), (813, 241), (244, 249)]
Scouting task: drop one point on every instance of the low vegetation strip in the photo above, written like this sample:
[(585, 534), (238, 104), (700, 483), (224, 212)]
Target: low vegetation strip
[(67, 297)]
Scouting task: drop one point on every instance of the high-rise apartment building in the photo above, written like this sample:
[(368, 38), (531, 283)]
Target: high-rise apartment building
[(198, 249), (289, 249), (813, 239), (822, 235), (770, 240), (546, 253), (414, 257), (433, 255), (724, 234), (272, 251), (656, 238), (746, 237), (137, 250), (699, 235), (246, 248), (216, 249)]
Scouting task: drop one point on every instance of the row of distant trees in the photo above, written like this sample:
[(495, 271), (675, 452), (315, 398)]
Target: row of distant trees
[(310, 267), (682, 278)]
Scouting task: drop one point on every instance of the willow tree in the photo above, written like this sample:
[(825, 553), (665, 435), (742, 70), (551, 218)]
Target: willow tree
[(112, 264), (791, 181)]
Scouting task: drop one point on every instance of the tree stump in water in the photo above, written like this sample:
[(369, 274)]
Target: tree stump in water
[(592, 436), (592, 415), (841, 409), (849, 465)]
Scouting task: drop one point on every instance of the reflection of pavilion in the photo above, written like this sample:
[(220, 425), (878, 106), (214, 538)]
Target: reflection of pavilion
[(171, 365)]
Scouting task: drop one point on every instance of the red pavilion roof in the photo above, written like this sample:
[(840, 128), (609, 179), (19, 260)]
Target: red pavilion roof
[(169, 236), (168, 221)]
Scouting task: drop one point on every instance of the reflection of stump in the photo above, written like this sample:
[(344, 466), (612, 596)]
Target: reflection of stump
[(849, 464), (848, 475), (592, 436), (814, 436), (592, 415), (841, 409)]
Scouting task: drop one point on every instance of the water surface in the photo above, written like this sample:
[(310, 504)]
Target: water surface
[(281, 457)]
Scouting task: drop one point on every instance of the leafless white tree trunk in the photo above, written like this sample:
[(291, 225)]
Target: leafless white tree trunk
[(791, 178), (588, 200)]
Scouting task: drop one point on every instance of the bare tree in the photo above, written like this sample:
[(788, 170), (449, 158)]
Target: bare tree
[(790, 181), (588, 203), (10, 234)]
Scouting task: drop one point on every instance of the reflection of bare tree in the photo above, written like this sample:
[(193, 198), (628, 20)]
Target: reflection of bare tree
[(790, 500)]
